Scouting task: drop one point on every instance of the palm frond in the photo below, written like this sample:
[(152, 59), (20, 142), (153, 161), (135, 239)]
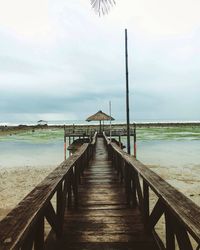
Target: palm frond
[(102, 7)]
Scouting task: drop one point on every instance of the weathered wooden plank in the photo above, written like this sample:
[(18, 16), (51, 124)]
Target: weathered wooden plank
[(139, 190), (16, 225), (60, 209), (146, 204), (52, 218), (156, 214), (105, 246), (170, 237), (39, 235), (182, 236), (102, 215), (177, 203)]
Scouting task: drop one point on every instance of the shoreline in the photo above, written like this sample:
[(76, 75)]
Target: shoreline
[(9, 130)]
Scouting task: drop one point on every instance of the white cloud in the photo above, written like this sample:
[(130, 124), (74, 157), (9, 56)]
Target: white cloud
[(63, 49)]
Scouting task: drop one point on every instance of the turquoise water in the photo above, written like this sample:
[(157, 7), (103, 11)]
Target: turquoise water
[(174, 146), (39, 148), (155, 146)]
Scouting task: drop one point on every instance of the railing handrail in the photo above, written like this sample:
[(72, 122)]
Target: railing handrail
[(17, 224), (185, 210)]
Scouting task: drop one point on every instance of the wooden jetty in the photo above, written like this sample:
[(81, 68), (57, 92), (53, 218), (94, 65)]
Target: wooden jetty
[(101, 198)]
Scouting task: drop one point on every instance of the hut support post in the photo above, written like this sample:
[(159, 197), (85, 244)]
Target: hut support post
[(100, 127)]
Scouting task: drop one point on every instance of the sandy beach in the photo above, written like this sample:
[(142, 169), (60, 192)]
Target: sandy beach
[(16, 183)]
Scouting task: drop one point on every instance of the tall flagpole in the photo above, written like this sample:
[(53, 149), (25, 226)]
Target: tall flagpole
[(127, 94)]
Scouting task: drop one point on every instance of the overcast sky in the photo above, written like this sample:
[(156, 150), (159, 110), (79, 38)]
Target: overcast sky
[(60, 61)]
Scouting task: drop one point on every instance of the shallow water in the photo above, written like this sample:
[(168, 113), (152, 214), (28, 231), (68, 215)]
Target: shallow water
[(174, 146), (180, 153), (39, 148)]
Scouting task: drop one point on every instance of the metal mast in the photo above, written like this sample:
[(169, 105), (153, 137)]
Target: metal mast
[(127, 94)]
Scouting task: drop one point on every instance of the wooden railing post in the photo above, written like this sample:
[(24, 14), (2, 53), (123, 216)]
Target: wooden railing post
[(75, 184), (145, 203), (127, 183), (69, 189), (132, 176), (181, 214), (121, 164), (28, 243), (117, 163), (182, 236), (59, 210), (170, 237), (138, 190), (39, 235)]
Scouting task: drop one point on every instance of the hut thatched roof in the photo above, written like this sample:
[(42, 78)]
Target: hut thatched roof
[(100, 116)]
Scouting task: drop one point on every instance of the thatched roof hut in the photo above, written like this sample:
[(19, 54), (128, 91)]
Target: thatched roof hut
[(100, 116)]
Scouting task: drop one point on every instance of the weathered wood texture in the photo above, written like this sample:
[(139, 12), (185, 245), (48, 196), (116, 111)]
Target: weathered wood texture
[(23, 227), (102, 219), (182, 216), (108, 206)]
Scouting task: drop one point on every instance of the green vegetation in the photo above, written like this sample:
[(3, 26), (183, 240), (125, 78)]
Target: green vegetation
[(47, 134), (169, 133)]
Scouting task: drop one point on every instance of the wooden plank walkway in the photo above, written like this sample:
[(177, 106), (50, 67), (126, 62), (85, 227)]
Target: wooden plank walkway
[(102, 219)]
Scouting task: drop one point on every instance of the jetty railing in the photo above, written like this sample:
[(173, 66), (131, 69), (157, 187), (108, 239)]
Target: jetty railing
[(24, 227), (181, 215)]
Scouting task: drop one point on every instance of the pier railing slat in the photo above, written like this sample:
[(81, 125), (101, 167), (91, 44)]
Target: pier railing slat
[(182, 216)]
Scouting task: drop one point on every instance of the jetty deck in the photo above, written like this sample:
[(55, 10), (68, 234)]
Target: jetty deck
[(102, 198), (102, 218)]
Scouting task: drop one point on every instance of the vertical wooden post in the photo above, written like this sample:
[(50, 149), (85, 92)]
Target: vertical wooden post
[(75, 183), (59, 209), (69, 188), (132, 176), (39, 235), (127, 183), (121, 170), (28, 243), (145, 203), (100, 127), (170, 238)]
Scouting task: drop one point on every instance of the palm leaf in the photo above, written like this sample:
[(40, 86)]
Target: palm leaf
[(102, 7)]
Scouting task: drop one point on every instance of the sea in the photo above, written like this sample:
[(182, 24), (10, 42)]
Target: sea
[(176, 147)]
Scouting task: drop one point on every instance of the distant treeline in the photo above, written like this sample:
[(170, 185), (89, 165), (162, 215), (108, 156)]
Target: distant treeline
[(120, 125)]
